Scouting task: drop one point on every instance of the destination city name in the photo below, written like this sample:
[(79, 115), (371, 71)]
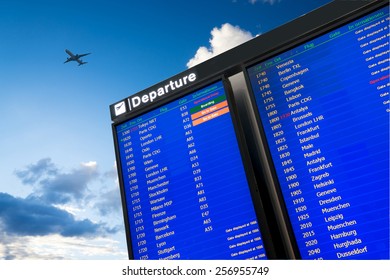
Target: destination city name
[(166, 250), (290, 84), (297, 103), (157, 186), (309, 114), (321, 167), (311, 137), (154, 201), (159, 178), (161, 228), (342, 225), (157, 215), (335, 208), (145, 124), (161, 206), (150, 141), (145, 137), (143, 131), (343, 234), (347, 243), (323, 193), (287, 63), (158, 193), (307, 122), (334, 218), (307, 147), (324, 184), (308, 130), (352, 253), (330, 200), (154, 173), (151, 167), (293, 90), (149, 161), (171, 257), (293, 75), (299, 110), (313, 153), (314, 161), (165, 220), (165, 235), (320, 177), (148, 155)]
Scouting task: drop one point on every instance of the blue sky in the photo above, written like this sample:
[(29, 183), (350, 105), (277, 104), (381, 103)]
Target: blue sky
[(59, 197)]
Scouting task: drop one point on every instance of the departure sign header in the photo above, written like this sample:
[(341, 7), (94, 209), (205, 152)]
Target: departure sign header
[(141, 99), (146, 97), (185, 188)]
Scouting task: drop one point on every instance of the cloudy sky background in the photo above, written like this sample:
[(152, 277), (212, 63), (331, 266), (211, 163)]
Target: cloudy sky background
[(59, 196)]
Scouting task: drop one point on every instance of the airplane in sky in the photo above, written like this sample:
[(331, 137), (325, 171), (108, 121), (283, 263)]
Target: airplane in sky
[(75, 57)]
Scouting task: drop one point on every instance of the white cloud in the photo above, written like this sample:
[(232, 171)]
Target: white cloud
[(222, 39), (70, 209), (62, 218), (59, 247), (90, 164), (58, 187)]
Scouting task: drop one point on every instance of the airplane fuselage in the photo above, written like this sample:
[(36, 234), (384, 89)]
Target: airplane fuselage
[(75, 57)]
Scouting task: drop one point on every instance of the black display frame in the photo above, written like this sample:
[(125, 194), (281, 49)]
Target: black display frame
[(278, 200), (264, 227)]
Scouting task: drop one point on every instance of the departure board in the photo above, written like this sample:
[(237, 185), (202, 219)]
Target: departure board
[(324, 111), (186, 192)]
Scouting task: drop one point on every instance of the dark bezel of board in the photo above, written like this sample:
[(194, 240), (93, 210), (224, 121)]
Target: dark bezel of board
[(256, 199), (289, 44)]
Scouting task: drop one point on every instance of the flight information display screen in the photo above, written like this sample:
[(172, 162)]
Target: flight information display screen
[(324, 111), (186, 191)]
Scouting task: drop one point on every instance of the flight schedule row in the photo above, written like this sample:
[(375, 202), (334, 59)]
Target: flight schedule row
[(186, 190), (324, 110)]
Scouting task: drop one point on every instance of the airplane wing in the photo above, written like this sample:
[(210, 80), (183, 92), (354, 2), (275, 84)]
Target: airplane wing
[(81, 55)]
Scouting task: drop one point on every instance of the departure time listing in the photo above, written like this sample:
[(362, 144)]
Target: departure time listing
[(186, 190)]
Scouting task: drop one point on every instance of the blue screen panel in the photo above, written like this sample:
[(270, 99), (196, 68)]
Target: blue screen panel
[(324, 110), (185, 186)]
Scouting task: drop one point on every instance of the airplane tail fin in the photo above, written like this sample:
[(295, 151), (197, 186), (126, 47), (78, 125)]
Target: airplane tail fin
[(82, 62)]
